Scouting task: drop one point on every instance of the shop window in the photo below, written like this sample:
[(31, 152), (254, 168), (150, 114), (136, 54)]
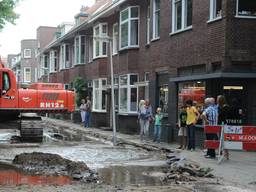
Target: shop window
[(192, 90), (163, 98), (246, 8)]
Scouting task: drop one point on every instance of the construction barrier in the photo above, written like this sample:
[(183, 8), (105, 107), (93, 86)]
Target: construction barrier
[(231, 137)]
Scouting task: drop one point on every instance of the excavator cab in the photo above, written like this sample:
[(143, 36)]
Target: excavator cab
[(8, 90)]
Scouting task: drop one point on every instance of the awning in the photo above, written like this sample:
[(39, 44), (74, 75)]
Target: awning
[(213, 76)]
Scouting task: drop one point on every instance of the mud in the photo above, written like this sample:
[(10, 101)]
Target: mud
[(51, 164)]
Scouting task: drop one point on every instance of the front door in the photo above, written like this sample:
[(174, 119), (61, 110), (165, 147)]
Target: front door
[(7, 98), (236, 96)]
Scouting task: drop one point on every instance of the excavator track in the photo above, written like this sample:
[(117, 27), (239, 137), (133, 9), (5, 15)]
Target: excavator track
[(31, 128)]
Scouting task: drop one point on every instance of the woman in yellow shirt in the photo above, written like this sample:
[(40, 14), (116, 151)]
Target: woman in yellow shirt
[(192, 117)]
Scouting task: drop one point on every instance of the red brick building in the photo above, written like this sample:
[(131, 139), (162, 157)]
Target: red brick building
[(165, 51)]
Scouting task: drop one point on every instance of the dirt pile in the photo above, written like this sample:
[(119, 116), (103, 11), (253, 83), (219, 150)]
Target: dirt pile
[(181, 170), (51, 164)]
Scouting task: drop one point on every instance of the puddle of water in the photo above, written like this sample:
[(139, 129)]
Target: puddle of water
[(131, 175), (11, 176)]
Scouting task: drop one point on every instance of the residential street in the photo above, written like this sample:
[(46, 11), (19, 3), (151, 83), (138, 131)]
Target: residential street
[(130, 166)]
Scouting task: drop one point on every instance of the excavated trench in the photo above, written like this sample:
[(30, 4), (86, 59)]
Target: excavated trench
[(111, 163)]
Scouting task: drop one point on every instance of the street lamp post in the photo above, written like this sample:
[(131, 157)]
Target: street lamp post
[(112, 92)]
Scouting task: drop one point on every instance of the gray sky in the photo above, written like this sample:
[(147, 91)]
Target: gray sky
[(35, 13)]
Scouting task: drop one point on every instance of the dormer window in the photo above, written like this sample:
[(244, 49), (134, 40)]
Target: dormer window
[(100, 39)]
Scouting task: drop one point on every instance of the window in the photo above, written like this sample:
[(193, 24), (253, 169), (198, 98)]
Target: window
[(215, 9), (45, 62), (36, 77), (27, 74), (90, 49), (53, 61), (64, 56), (100, 35), (27, 53), (80, 50), (156, 19), (6, 82), (246, 8), (128, 93), (99, 95), (148, 24), (115, 38), (129, 27), (181, 15)]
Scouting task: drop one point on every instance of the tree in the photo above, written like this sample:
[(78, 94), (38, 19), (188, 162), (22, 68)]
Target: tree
[(79, 85), (7, 14)]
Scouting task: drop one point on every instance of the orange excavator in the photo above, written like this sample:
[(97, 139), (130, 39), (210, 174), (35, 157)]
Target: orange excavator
[(37, 98)]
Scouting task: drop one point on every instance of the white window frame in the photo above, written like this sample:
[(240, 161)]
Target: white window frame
[(24, 76), (101, 88), (128, 86), (27, 56), (128, 20), (63, 63), (78, 54), (115, 39), (242, 16), (155, 14), (183, 17), (53, 61), (101, 38), (213, 7), (36, 75), (148, 23)]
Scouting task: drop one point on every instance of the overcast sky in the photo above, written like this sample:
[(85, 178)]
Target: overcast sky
[(35, 13)]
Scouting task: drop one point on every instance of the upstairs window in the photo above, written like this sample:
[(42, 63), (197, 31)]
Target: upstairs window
[(156, 19), (148, 24), (215, 9), (53, 61), (181, 15), (246, 8), (80, 50), (115, 39), (27, 53), (27, 75), (100, 39), (64, 56), (129, 27)]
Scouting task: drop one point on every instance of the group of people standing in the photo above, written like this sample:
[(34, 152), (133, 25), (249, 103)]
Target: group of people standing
[(146, 117), (212, 114), (85, 110)]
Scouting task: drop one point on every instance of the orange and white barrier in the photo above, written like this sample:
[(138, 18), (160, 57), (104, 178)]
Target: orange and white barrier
[(231, 137)]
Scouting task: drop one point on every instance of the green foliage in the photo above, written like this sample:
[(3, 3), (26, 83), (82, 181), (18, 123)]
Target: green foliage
[(7, 14), (79, 85)]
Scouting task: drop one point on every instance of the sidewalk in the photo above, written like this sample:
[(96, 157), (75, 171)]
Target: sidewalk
[(239, 170)]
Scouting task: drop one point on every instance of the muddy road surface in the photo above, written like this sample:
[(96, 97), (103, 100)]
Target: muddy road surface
[(124, 167)]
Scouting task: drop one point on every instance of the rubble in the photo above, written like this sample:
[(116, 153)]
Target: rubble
[(181, 170), (51, 164)]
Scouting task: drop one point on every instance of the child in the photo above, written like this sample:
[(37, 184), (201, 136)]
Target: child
[(158, 124), (182, 128)]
